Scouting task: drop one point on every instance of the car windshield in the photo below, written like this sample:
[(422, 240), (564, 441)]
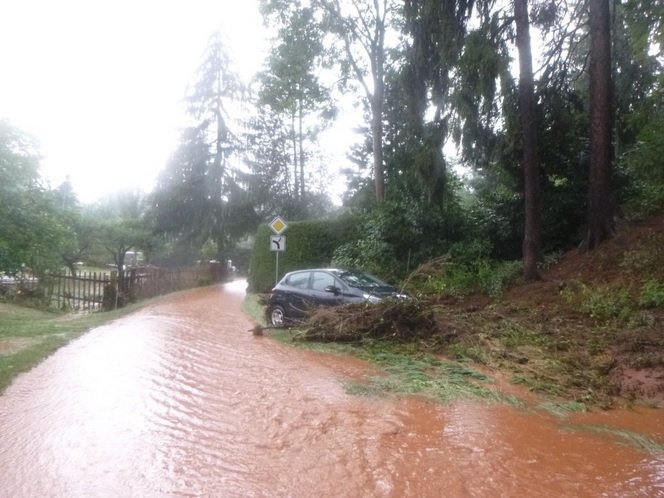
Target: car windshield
[(360, 280)]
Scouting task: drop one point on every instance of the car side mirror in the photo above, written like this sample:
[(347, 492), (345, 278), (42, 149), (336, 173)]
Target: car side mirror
[(334, 290)]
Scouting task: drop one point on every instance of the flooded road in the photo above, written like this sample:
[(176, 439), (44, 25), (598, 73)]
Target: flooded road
[(180, 399)]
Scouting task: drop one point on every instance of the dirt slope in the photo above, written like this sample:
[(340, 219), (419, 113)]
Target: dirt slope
[(608, 284), (587, 330), (591, 331)]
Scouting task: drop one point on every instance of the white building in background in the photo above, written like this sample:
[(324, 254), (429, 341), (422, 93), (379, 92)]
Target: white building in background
[(134, 259)]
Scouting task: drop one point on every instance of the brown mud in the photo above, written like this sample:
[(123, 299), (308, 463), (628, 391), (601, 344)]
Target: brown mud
[(181, 399), (582, 333)]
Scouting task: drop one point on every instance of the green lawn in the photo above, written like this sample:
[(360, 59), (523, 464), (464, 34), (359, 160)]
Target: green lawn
[(28, 335)]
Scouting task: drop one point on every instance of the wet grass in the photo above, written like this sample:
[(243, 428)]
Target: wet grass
[(444, 382), (28, 335), (628, 438), (562, 409), (406, 371), (539, 352), (254, 309)]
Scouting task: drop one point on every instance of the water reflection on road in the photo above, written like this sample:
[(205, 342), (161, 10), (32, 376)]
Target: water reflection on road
[(180, 399)]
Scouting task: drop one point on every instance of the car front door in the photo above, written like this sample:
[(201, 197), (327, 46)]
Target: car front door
[(326, 289)]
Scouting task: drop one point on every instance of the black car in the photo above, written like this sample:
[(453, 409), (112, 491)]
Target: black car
[(301, 290)]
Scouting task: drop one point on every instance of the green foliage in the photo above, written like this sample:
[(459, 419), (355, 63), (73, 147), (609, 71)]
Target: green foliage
[(291, 81), (33, 230), (562, 409), (471, 350), (427, 376), (475, 98), (466, 269), (270, 182), (402, 233), (293, 103), (604, 303), (309, 244), (643, 165), (652, 294), (640, 107), (370, 254), (638, 260), (550, 259), (122, 228), (407, 371), (202, 194), (209, 250), (495, 213), (630, 438), (370, 251), (482, 276)]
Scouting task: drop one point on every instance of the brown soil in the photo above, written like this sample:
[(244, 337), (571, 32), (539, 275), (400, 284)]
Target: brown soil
[(626, 352), (580, 333)]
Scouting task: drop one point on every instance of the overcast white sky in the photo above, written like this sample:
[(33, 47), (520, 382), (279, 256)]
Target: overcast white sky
[(100, 83)]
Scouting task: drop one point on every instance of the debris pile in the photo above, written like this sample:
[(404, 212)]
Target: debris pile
[(396, 320)]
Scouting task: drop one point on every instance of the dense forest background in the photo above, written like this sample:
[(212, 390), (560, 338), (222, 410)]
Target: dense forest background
[(490, 131)]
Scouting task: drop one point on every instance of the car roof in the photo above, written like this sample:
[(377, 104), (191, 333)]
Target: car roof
[(317, 269)]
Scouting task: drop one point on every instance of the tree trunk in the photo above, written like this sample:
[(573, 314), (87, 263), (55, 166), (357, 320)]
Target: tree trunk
[(377, 138), (301, 139), (600, 223), (294, 140), (366, 31), (119, 264), (70, 264), (377, 104), (527, 111)]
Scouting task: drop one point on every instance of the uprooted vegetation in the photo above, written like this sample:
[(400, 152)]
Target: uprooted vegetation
[(591, 331), (394, 320)]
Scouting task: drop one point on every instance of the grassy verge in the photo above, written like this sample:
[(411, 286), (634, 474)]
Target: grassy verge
[(403, 369), (407, 372), (28, 335), (254, 309)]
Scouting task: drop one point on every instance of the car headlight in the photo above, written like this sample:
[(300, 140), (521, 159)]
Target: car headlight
[(371, 298)]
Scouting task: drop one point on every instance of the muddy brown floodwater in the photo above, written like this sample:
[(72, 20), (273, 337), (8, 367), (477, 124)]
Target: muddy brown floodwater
[(180, 399)]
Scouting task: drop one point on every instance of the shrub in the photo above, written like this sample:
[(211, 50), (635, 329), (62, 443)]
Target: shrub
[(369, 254), (308, 244), (447, 277), (652, 294), (607, 303)]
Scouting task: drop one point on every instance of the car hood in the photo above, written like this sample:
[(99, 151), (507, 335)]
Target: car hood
[(378, 291)]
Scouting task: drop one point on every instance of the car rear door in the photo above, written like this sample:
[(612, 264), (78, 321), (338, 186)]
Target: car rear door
[(297, 298)]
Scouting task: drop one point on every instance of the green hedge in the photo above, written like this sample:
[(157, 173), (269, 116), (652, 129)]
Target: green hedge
[(309, 244)]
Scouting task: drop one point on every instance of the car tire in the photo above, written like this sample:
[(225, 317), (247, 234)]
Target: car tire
[(277, 316)]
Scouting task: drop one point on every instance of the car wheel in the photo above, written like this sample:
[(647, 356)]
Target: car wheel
[(277, 316)]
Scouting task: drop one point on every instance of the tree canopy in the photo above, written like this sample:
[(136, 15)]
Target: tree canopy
[(486, 130), (33, 234)]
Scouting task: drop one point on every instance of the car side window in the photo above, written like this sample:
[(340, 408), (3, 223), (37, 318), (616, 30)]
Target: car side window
[(299, 280), (322, 280)]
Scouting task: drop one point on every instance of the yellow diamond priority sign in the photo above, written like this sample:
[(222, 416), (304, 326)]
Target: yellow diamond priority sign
[(278, 225)]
